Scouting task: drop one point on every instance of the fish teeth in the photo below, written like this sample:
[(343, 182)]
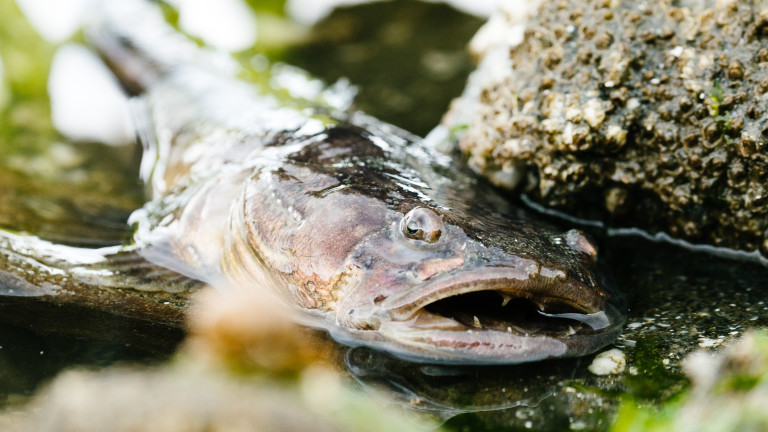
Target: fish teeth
[(505, 298), (476, 322)]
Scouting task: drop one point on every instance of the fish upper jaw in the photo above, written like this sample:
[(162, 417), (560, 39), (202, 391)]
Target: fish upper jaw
[(493, 315)]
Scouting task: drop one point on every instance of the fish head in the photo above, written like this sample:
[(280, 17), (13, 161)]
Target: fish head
[(414, 259), (440, 286)]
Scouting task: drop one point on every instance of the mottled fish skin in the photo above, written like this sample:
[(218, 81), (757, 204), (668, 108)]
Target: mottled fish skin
[(371, 234)]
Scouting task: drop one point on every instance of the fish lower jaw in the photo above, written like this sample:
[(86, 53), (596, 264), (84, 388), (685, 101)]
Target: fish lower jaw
[(469, 346), (506, 311)]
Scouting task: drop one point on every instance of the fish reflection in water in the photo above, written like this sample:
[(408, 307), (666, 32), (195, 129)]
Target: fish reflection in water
[(368, 232), (445, 391)]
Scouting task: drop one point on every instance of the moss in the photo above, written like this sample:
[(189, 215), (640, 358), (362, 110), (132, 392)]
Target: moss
[(715, 98), (738, 383), (274, 7), (456, 130), (633, 417), (653, 380), (171, 14), (728, 393), (26, 59)]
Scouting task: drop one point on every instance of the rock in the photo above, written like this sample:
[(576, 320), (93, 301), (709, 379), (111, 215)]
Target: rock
[(171, 400), (648, 114), (609, 362)]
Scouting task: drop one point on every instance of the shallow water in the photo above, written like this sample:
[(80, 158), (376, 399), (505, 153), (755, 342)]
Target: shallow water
[(678, 300)]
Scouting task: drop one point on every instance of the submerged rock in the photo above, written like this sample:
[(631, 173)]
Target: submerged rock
[(647, 114)]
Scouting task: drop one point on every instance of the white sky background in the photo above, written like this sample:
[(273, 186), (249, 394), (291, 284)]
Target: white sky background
[(55, 20), (87, 103), (228, 25)]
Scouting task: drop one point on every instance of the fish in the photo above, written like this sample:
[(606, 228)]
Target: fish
[(365, 230)]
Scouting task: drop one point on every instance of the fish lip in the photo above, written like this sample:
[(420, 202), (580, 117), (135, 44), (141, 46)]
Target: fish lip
[(488, 347)]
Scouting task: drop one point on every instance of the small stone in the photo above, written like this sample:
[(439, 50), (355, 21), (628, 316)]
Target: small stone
[(705, 342), (594, 113), (611, 362)]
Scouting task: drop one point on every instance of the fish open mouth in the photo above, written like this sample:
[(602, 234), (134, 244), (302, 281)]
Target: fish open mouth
[(503, 311), (485, 318)]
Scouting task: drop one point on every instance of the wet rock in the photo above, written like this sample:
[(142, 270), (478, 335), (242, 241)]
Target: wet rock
[(644, 114), (168, 401)]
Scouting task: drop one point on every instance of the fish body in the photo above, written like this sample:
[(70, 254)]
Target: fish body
[(368, 232)]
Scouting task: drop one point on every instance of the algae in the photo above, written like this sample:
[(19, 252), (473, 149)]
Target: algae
[(651, 380), (728, 393)]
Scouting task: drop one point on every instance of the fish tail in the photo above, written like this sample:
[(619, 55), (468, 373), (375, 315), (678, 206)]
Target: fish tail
[(140, 46)]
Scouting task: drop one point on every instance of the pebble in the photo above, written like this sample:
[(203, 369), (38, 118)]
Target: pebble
[(610, 362)]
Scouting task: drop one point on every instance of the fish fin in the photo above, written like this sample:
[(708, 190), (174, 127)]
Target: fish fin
[(127, 269), (30, 267), (93, 294)]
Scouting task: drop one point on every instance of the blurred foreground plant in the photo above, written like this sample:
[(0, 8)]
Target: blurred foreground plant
[(729, 393)]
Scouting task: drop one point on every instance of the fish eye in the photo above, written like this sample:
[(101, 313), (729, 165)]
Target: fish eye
[(422, 224)]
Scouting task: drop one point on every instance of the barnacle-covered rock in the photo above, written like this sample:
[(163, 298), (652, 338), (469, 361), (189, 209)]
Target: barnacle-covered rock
[(644, 113)]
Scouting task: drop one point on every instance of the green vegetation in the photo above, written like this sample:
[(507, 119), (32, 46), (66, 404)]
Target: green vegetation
[(715, 99), (653, 382), (728, 394), (26, 57)]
